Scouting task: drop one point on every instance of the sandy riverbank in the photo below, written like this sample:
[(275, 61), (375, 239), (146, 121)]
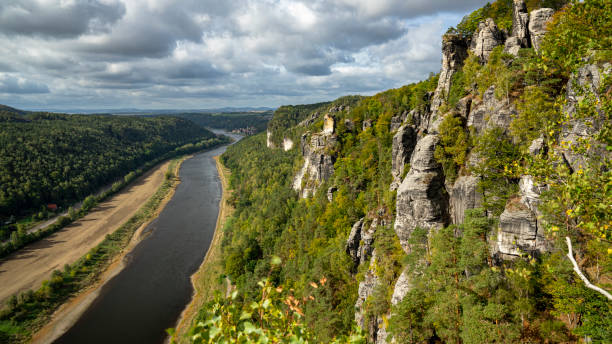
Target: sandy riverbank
[(64, 317), (28, 267), (204, 280)]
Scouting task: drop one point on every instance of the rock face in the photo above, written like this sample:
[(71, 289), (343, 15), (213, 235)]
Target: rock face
[(537, 25), (318, 163), (587, 80), (537, 147), (309, 120), (402, 287), (491, 112), (420, 117), (487, 37), (366, 124), (397, 121), (454, 52), (520, 230), (421, 200), (360, 243), (329, 124), (353, 241), (463, 195), (401, 150), (377, 333), (269, 142), (349, 124), (330, 193), (520, 22), (287, 144), (366, 288), (520, 30)]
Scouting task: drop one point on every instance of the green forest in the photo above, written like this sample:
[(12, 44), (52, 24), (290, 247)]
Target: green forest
[(287, 257), (229, 120), (56, 158)]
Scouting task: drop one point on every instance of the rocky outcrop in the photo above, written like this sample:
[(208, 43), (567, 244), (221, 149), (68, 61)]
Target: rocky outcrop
[(287, 144), (421, 116), (318, 163), (587, 80), (329, 124), (401, 151), (360, 243), (397, 121), (374, 326), (402, 287), (353, 241), (421, 199), (464, 106), (520, 228), (454, 52), (520, 28), (367, 123), (537, 25), (350, 125), (537, 147), (269, 142), (330, 193), (366, 288), (491, 112), (309, 120), (485, 39), (463, 195)]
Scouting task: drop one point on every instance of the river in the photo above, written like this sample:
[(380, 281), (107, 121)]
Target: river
[(149, 294)]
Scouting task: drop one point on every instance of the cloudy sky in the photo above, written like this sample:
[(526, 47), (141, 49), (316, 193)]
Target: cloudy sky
[(194, 54)]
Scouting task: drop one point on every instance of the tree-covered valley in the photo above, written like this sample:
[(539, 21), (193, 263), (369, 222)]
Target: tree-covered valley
[(471, 207), (49, 158)]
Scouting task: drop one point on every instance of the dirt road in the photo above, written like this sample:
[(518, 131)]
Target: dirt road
[(29, 266)]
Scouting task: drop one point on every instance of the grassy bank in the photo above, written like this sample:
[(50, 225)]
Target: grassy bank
[(28, 312), (208, 279)]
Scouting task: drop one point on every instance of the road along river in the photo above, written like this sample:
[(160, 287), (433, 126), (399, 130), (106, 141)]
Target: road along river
[(148, 295)]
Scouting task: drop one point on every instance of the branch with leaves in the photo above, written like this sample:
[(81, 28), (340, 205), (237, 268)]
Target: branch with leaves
[(588, 284)]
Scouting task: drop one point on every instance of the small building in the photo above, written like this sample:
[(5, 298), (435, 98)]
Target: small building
[(52, 206)]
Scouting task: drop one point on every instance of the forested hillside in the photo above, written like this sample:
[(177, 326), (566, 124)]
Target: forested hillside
[(461, 209), (229, 120), (56, 158)]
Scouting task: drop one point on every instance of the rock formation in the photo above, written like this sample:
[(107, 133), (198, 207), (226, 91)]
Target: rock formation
[(404, 141), (587, 81), (537, 25), (269, 142), (360, 243), (330, 193), (463, 195), (487, 37), (318, 163), (397, 121), (329, 124), (520, 30), (454, 52), (350, 125), (366, 288), (353, 241), (421, 199), (287, 144), (402, 287), (491, 112)]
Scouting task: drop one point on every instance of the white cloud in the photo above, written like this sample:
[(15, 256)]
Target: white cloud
[(209, 53)]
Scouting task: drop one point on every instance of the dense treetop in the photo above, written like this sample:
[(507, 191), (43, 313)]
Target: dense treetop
[(57, 158)]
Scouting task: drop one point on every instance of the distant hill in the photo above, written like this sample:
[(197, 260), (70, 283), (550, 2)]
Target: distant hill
[(9, 113), (5, 108)]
